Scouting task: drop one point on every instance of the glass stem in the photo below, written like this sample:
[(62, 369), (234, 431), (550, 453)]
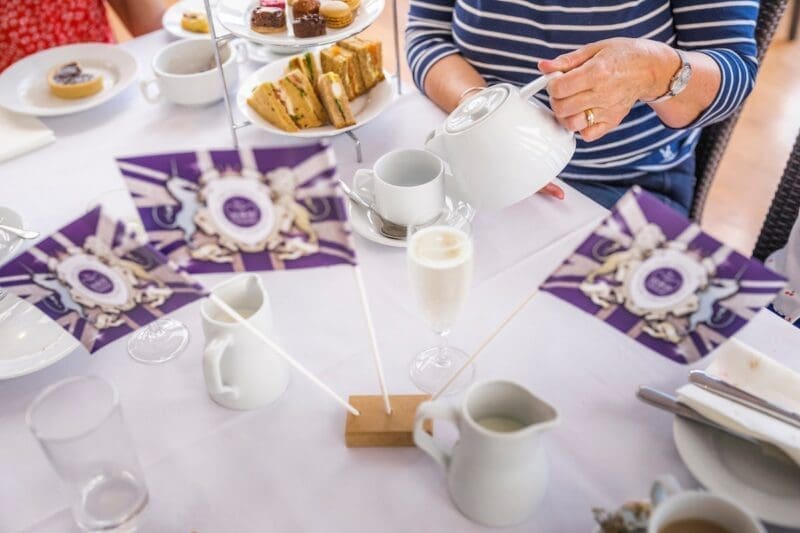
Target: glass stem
[(442, 358)]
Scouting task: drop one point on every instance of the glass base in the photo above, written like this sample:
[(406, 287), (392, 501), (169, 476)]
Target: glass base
[(434, 367), (159, 341)]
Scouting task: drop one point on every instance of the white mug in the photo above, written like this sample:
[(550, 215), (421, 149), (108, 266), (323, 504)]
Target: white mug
[(407, 186), (496, 478), (240, 371), (183, 76), (674, 504)]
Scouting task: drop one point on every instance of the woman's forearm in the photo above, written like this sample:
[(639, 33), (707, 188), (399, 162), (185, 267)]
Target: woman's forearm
[(139, 16), (447, 80), (681, 110)]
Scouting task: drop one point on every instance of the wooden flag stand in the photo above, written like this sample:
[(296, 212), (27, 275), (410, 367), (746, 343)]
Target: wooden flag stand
[(385, 420)]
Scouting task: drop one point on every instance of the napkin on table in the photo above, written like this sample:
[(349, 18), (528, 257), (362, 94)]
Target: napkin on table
[(754, 372), (20, 134)]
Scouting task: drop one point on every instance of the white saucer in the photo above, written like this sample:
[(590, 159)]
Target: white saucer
[(9, 243), (172, 20), (731, 467), (31, 340), (24, 89)]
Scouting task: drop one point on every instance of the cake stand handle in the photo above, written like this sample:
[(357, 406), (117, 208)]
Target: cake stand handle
[(396, 51), (217, 42)]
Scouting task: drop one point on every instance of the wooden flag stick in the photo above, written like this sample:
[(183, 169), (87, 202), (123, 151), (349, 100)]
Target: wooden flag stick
[(280, 351), (371, 327), (486, 343)]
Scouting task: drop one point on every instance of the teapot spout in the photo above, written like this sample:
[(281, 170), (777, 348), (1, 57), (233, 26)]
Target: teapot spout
[(435, 143)]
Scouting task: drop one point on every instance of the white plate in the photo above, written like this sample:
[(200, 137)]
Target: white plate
[(172, 20), (235, 15), (9, 243), (24, 89), (731, 467), (365, 108), (31, 340)]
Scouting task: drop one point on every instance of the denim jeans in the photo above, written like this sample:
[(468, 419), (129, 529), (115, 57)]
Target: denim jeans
[(674, 187)]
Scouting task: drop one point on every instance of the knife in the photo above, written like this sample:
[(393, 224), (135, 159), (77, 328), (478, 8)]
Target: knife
[(742, 397), (668, 403)]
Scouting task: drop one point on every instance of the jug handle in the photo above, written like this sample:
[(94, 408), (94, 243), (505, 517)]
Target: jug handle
[(434, 411), (212, 357), (538, 84)]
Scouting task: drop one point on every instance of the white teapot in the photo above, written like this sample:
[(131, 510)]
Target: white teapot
[(501, 145)]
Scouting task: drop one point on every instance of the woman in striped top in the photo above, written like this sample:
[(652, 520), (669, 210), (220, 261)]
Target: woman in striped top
[(625, 86)]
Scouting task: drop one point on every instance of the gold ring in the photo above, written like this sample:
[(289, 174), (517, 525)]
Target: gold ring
[(589, 116)]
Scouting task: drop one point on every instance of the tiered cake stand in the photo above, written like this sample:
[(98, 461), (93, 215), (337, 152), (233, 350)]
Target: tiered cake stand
[(235, 126)]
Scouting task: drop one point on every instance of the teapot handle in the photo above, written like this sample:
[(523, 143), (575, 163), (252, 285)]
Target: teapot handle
[(538, 84)]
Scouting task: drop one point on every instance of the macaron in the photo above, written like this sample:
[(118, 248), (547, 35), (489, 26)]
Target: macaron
[(336, 13), (353, 4)]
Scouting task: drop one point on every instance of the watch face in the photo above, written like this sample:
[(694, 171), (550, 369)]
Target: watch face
[(681, 80)]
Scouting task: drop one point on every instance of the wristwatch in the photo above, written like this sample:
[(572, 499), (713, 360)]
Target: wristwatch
[(679, 81)]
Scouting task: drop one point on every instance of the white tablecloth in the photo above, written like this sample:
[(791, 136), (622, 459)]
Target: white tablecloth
[(285, 467)]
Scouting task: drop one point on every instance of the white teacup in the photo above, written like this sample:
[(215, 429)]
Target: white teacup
[(240, 371), (407, 186), (680, 505), (186, 74)]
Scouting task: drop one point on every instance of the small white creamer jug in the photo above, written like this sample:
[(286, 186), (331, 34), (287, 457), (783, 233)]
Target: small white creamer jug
[(240, 371), (497, 471)]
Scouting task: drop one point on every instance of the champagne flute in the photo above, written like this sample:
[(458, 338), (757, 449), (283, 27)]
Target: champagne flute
[(440, 264)]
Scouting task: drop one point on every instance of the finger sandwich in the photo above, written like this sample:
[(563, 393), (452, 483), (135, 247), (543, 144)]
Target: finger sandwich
[(369, 58), (334, 98), (342, 62)]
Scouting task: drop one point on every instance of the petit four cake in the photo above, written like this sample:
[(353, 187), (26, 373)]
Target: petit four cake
[(194, 21), (332, 94), (343, 62), (353, 4), (268, 19), (307, 63), (266, 101), (301, 100), (336, 14), (370, 60), (305, 7), (70, 81), (281, 4), (308, 25)]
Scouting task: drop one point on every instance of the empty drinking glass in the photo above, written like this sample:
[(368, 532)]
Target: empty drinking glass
[(78, 423)]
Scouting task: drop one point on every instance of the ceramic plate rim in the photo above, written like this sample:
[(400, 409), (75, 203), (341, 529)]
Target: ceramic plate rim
[(687, 440), (272, 71), (124, 60), (228, 15)]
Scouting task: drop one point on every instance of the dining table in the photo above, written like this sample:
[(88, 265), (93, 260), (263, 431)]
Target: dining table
[(285, 467)]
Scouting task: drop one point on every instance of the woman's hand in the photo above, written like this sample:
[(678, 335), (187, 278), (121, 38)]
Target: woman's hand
[(608, 77)]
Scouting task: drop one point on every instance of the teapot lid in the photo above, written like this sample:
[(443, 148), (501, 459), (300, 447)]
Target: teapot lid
[(475, 108)]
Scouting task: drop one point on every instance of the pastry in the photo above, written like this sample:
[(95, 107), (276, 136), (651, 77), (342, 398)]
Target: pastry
[(306, 63), (308, 25), (342, 62), (70, 81), (336, 14), (194, 21), (305, 7), (301, 100), (280, 4), (266, 101), (370, 61), (268, 20), (332, 94), (353, 5)]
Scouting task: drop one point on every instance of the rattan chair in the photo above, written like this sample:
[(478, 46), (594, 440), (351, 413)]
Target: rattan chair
[(714, 139), (784, 209)]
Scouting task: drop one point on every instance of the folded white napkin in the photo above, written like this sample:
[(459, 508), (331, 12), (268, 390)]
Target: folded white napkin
[(20, 134), (754, 372)]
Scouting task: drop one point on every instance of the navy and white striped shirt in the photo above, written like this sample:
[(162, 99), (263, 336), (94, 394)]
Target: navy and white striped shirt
[(505, 39)]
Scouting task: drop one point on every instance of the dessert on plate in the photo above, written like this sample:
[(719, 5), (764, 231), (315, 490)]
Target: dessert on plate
[(370, 59), (336, 14), (305, 7), (334, 98), (71, 81), (307, 63), (344, 63), (194, 21), (281, 4), (308, 26), (268, 20)]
